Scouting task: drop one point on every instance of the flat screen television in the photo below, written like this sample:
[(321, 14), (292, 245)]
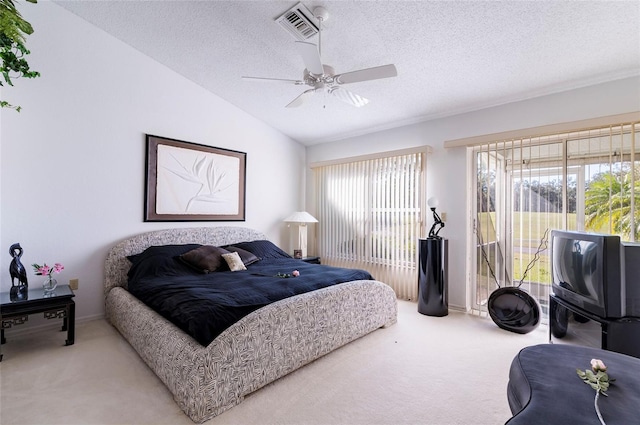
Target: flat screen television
[(587, 271)]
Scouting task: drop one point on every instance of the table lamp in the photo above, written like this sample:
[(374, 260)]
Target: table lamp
[(301, 218)]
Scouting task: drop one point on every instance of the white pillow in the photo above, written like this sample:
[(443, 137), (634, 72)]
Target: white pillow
[(234, 261)]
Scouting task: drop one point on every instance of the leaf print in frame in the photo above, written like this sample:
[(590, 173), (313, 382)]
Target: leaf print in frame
[(193, 182)]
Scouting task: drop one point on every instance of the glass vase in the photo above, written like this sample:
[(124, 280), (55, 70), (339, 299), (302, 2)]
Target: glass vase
[(49, 284)]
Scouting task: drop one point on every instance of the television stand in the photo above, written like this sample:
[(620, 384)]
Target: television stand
[(569, 324)]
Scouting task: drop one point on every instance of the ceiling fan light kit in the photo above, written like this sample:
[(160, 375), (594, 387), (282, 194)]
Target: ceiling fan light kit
[(321, 14), (321, 77)]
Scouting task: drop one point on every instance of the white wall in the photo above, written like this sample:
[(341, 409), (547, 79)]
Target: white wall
[(72, 162), (447, 168)]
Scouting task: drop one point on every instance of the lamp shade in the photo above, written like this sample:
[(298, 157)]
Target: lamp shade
[(300, 217), (432, 202)]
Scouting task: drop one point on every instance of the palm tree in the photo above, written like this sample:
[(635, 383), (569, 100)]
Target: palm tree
[(608, 200)]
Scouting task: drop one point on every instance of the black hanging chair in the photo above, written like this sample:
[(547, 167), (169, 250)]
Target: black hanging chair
[(510, 307), (514, 310)]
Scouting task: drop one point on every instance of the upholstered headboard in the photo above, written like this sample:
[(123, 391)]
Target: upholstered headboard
[(117, 265)]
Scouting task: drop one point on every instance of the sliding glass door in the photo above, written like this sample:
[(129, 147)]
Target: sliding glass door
[(587, 180)]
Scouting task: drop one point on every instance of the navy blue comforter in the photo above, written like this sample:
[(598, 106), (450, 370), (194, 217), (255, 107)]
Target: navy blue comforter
[(204, 305)]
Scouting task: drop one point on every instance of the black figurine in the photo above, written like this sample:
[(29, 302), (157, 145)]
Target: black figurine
[(433, 232), (17, 271)]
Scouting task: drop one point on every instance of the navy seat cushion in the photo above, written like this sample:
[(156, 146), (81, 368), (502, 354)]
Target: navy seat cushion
[(545, 389)]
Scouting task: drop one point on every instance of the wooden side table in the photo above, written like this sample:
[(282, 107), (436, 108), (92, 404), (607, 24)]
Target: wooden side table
[(58, 304)]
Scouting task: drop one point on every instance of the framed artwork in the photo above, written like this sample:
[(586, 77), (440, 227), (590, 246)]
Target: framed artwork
[(192, 182)]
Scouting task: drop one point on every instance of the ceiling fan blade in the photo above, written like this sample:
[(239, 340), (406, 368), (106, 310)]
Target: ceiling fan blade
[(300, 99), (384, 71), (349, 97), (311, 57), (277, 80)]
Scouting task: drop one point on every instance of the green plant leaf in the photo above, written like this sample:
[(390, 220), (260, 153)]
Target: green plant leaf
[(12, 24), (13, 30)]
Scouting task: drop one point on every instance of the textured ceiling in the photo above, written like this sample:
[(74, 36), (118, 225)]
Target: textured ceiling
[(451, 56)]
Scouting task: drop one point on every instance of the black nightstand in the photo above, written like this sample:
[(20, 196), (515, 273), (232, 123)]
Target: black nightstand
[(55, 305), (311, 260)]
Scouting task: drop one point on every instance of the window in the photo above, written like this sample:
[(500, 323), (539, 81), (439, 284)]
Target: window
[(582, 180), (370, 216)]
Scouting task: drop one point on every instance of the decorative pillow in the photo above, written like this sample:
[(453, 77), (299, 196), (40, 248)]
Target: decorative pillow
[(246, 257), (234, 261), (262, 249), (205, 259), (159, 261)]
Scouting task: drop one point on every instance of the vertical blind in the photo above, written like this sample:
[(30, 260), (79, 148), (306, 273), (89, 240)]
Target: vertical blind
[(370, 217), (581, 180)]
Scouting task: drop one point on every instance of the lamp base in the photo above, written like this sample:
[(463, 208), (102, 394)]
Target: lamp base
[(302, 240)]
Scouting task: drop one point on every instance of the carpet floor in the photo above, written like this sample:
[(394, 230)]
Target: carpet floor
[(423, 370)]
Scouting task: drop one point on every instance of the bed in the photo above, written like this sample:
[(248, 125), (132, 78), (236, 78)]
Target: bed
[(264, 345)]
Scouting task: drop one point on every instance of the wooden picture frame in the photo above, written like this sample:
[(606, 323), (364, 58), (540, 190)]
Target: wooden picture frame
[(192, 182)]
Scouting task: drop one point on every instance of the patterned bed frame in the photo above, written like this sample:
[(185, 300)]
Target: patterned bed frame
[(262, 347)]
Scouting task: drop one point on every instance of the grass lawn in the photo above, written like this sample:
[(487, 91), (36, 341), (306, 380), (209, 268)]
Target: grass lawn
[(540, 272), (528, 231)]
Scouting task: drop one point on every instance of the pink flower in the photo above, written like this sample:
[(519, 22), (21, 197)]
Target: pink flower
[(598, 365), (295, 273), (46, 270)]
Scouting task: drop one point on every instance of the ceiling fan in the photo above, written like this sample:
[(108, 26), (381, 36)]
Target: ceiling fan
[(322, 78)]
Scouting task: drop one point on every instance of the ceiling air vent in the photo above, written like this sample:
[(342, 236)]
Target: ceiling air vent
[(299, 22)]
